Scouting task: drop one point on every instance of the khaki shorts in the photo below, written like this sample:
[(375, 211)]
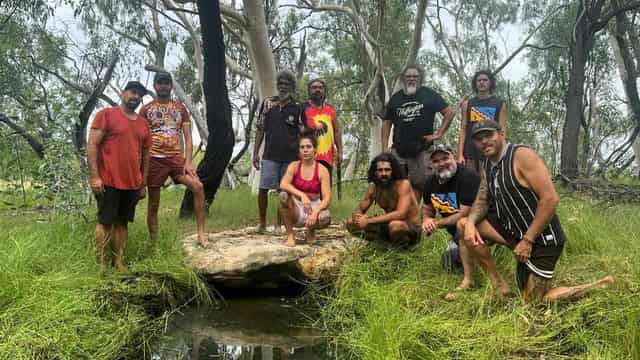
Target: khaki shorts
[(418, 169)]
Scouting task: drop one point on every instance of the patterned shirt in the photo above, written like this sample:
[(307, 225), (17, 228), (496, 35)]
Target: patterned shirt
[(166, 122)]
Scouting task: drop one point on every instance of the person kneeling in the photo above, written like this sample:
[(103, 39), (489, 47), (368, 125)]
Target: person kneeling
[(390, 189), (305, 193)]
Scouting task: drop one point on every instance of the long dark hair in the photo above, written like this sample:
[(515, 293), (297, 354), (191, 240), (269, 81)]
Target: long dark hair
[(397, 172), (489, 74)]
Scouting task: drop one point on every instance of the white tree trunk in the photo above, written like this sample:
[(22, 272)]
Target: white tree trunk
[(350, 171)]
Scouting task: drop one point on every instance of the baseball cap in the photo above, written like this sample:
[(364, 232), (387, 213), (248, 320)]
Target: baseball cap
[(484, 125), (162, 75), (441, 148), (136, 85)]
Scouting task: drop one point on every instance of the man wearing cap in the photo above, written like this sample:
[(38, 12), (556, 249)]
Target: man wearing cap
[(525, 220), (411, 112), (483, 106), (169, 122), (450, 191), (118, 158)]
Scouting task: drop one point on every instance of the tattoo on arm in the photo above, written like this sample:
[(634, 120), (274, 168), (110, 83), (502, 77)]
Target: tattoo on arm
[(481, 203)]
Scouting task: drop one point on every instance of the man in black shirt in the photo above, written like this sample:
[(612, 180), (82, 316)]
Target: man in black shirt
[(410, 113), (450, 191), (279, 124)]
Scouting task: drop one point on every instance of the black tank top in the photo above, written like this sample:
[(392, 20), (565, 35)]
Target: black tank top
[(478, 110), (516, 205)]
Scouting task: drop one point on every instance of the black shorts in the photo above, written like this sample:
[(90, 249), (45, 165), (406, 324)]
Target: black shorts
[(542, 261), (382, 231), (116, 206)]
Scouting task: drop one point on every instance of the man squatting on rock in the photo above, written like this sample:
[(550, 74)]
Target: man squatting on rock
[(169, 122), (279, 124), (525, 220), (118, 158), (410, 113), (390, 189)]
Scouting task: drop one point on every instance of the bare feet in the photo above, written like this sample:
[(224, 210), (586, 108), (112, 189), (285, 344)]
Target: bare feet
[(465, 285), (120, 267), (291, 240), (202, 240), (605, 282), (310, 236), (261, 228), (503, 289)]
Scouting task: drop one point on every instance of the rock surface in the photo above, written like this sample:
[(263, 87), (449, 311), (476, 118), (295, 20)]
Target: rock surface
[(243, 258)]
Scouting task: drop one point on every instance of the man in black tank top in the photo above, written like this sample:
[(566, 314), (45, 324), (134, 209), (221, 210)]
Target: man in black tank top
[(483, 106), (518, 183)]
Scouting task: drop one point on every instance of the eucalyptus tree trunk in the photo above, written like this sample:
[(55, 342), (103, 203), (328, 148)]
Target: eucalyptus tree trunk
[(221, 138)]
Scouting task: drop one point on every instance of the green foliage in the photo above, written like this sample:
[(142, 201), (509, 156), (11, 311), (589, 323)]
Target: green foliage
[(389, 305)]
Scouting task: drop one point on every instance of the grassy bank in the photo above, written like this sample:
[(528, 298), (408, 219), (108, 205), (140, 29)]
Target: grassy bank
[(389, 305), (385, 305)]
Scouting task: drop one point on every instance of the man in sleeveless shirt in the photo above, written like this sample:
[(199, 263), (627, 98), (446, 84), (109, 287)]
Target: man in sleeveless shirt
[(483, 106), (525, 220), (391, 191), (169, 122), (411, 112), (118, 159), (320, 117)]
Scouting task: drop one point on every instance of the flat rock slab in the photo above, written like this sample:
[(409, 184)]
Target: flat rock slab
[(244, 258)]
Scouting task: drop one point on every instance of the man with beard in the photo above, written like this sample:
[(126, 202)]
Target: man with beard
[(410, 113), (279, 124), (320, 117), (484, 106), (518, 183), (118, 157), (450, 191), (389, 189), (169, 123)]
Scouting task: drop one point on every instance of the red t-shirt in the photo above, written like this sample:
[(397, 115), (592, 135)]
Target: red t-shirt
[(120, 152), (322, 120)]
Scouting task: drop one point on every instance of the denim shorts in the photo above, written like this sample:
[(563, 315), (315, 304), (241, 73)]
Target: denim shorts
[(271, 172)]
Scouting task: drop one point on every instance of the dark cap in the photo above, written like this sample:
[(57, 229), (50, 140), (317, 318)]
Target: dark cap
[(162, 75), (136, 85), (484, 125), (438, 148)]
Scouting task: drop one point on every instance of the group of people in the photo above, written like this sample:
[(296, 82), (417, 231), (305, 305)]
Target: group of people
[(491, 192), (133, 153)]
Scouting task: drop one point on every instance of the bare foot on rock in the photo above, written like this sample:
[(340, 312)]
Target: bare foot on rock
[(291, 240)]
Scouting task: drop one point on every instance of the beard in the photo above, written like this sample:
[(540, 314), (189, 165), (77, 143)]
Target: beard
[(446, 174), (317, 98), (384, 182), (284, 94), (409, 89), (132, 105)]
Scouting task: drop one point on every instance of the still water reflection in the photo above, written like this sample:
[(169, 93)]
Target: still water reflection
[(244, 329)]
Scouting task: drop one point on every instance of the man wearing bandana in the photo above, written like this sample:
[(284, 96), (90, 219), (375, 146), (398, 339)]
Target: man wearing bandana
[(391, 191)]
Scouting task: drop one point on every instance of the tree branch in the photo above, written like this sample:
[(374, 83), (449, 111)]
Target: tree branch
[(604, 19), (36, 145)]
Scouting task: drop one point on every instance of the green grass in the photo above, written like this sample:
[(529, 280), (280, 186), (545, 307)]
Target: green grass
[(384, 305), (389, 305)]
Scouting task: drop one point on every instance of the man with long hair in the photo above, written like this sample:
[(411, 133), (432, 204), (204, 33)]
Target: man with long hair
[(484, 106), (391, 191)]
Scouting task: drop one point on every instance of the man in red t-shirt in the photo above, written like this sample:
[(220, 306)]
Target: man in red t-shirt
[(118, 157), (320, 117), (169, 123)]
